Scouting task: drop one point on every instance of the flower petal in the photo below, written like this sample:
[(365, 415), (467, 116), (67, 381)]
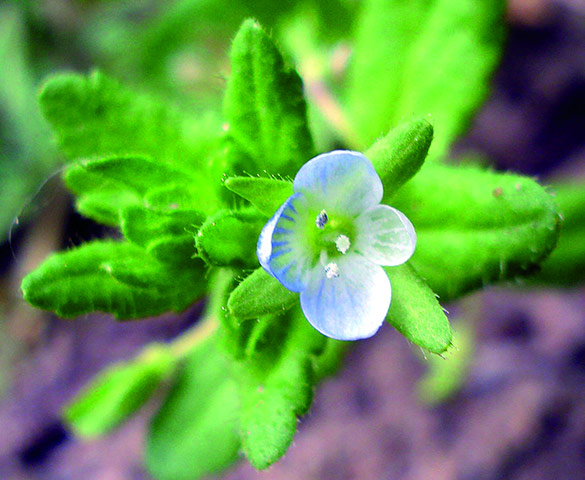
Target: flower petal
[(340, 182), (351, 305), (385, 236), (283, 248)]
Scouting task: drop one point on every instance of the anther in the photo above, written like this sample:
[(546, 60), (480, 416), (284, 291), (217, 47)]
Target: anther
[(342, 243), (321, 219), (332, 270)]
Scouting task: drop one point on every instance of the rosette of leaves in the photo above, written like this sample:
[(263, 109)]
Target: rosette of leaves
[(155, 173)]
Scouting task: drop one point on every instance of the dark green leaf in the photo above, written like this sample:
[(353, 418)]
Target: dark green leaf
[(400, 154), (420, 57), (195, 433), (113, 277), (260, 294), (230, 238), (118, 391), (566, 264), (266, 194), (475, 226), (415, 311), (264, 107)]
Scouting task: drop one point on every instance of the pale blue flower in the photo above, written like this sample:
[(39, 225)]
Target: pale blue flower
[(329, 240)]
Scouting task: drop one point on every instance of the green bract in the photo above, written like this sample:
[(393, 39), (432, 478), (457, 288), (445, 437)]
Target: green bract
[(190, 192)]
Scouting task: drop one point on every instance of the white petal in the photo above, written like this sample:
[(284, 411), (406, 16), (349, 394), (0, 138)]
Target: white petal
[(340, 182), (351, 305), (283, 248), (385, 236)]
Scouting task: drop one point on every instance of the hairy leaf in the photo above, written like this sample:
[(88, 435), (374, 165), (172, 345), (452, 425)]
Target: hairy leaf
[(276, 387), (566, 264), (400, 154), (114, 277), (415, 311), (118, 391), (260, 294), (420, 57), (475, 226), (266, 194), (264, 108), (230, 238), (195, 432)]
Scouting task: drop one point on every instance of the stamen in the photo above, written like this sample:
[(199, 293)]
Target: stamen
[(321, 219), (332, 270), (342, 243)]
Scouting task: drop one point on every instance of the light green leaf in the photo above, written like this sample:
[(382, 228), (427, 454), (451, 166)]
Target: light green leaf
[(400, 154), (476, 227), (423, 57), (276, 387), (266, 194), (118, 391), (415, 311), (230, 238), (260, 294), (114, 277), (264, 108), (195, 432)]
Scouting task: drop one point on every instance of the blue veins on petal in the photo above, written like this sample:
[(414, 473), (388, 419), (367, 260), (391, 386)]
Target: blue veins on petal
[(329, 240), (340, 182), (350, 306)]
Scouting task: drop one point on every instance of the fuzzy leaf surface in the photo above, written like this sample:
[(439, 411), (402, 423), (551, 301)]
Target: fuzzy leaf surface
[(266, 194), (264, 107), (415, 311), (113, 277), (423, 57), (476, 227), (195, 432)]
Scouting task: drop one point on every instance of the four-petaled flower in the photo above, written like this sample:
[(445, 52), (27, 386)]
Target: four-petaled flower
[(329, 240)]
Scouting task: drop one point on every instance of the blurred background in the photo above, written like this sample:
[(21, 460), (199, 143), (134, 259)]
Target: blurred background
[(513, 404)]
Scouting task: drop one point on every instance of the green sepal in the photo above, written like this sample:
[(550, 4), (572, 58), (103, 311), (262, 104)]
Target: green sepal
[(276, 386), (566, 264), (230, 237), (475, 226), (400, 154), (415, 311), (260, 294), (266, 194), (264, 108), (196, 431), (167, 236), (113, 277), (118, 391)]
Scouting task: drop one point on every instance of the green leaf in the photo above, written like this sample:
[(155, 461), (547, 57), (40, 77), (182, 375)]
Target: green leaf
[(445, 375), (195, 432), (230, 238), (118, 391), (420, 57), (276, 387), (168, 236), (476, 227), (264, 108), (114, 277), (566, 264), (415, 311), (266, 194), (260, 294), (400, 154), (95, 117)]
